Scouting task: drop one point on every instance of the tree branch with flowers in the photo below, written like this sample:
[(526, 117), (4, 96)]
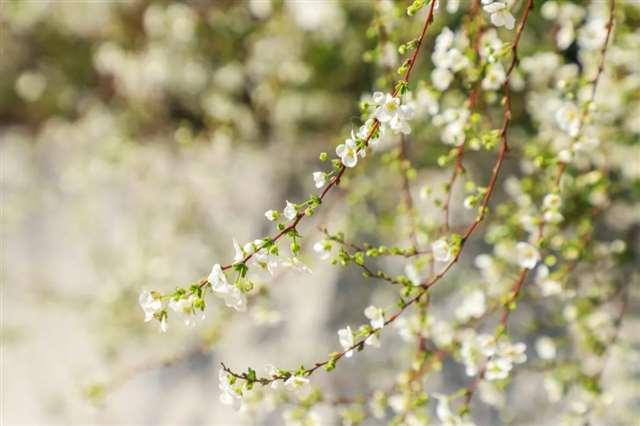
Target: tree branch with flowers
[(481, 75)]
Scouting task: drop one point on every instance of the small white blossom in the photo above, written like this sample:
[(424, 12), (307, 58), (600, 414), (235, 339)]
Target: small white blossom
[(593, 34), (345, 336), (390, 111), (271, 371), (217, 278), (185, 308), (500, 14), (272, 215), (320, 179), (513, 352), (323, 248), (229, 395), (150, 304), (296, 382), (472, 306), (553, 216), (441, 78), (388, 107), (441, 251), (399, 403), (528, 256), (348, 153), (238, 253), (232, 296), (497, 369), (552, 201), (495, 78), (290, 211), (375, 316), (568, 118), (372, 340), (546, 348), (364, 131)]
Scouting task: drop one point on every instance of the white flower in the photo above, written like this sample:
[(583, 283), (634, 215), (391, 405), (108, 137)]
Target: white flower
[(296, 382), (184, 307), (497, 369), (320, 179), (471, 355), (527, 255), (472, 306), (163, 324), (495, 77), (513, 352), (271, 371), (348, 153), (553, 389), (388, 107), (238, 254), (345, 336), (412, 273), (565, 35), (500, 15), (546, 348), (441, 251), (399, 122), (552, 216), (442, 410), (233, 298), (272, 215), (391, 112), (372, 340), (290, 211), (593, 34), (217, 278), (150, 304), (375, 316), (441, 78), (365, 130), (568, 118), (399, 403), (455, 120), (552, 201), (229, 395), (323, 248)]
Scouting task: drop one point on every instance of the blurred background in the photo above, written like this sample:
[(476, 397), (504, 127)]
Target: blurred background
[(137, 139)]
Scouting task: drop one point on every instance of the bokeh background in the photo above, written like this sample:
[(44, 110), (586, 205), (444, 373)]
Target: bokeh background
[(136, 140)]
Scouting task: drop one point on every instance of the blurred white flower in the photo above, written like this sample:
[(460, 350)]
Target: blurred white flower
[(441, 251), (495, 77), (472, 306), (527, 255), (323, 248), (345, 336), (497, 369), (546, 348), (375, 316), (150, 304), (320, 179), (568, 118), (552, 201), (229, 395), (296, 382), (272, 215)]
